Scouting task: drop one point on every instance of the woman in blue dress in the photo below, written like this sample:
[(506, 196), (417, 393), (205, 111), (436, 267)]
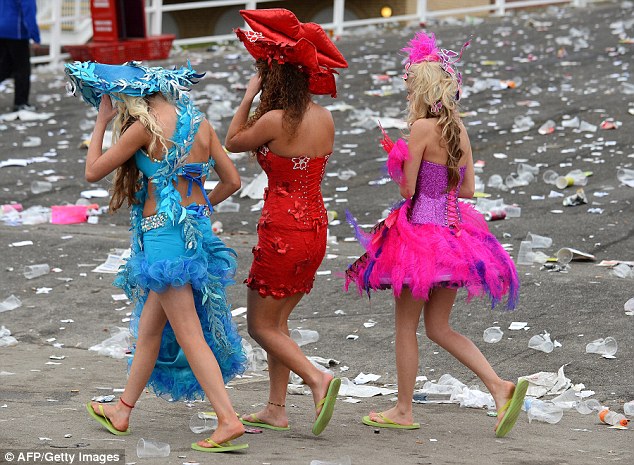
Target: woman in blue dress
[(186, 344)]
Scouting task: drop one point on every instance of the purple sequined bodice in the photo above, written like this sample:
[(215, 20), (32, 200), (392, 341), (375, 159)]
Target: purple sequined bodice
[(431, 202)]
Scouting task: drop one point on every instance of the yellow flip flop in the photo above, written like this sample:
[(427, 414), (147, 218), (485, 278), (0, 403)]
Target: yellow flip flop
[(511, 409), (104, 421), (387, 423), (215, 447), (261, 424), (327, 405)]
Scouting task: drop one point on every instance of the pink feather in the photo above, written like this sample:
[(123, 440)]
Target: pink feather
[(422, 48)]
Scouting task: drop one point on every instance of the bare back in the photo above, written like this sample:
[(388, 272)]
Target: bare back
[(436, 148), (166, 116), (314, 137)]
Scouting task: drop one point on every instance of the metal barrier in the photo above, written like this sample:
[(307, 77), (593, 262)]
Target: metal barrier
[(58, 12)]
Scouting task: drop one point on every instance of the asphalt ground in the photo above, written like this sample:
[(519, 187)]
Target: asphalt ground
[(565, 63)]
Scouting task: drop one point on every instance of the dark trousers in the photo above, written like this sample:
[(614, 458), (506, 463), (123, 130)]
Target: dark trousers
[(15, 63)]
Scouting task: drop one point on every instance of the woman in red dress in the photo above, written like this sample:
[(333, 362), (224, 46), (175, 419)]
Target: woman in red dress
[(292, 138)]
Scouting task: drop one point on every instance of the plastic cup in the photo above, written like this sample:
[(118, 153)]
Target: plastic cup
[(574, 178), (304, 336), (35, 271), (564, 181), (584, 126), (152, 448), (622, 270), (539, 242), (346, 175), (512, 181), (626, 176), (564, 256), (525, 254), (547, 128), (570, 123), (257, 359), (541, 342), (525, 168), (39, 187), (203, 422), (496, 181), (513, 211), (550, 177), (602, 346), (493, 334), (586, 407)]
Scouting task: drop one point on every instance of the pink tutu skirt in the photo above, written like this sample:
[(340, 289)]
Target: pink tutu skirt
[(424, 256)]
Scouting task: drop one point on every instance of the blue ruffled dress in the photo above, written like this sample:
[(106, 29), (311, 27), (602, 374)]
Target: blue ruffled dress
[(175, 247)]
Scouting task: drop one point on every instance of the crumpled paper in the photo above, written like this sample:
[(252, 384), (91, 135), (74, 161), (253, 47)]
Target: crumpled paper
[(547, 383)]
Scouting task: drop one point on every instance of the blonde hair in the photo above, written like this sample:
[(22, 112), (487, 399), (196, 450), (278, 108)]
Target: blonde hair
[(431, 86), (126, 179)]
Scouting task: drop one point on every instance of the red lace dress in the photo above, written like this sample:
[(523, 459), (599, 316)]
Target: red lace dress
[(293, 226)]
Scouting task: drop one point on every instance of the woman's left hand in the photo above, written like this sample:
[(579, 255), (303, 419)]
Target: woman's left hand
[(106, 111)]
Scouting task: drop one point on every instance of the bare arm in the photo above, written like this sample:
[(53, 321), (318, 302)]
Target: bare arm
[(419, 134), (262, 132), (100, 165), (467, 189), (227, 172)]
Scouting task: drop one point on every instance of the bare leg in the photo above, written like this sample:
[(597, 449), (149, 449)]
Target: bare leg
[(178, 304), (151, 326), (437, 312), (263, 316), (272, 413), (407, 317)]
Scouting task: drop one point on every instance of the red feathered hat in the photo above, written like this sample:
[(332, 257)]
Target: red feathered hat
[(278, 35)]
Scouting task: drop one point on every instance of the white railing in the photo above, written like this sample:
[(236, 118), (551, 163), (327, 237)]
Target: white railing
[(55, 15), (155, 9)]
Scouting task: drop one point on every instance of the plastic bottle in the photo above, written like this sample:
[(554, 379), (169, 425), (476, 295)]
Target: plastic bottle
[(628, 408), (544, 411), (609, 417)]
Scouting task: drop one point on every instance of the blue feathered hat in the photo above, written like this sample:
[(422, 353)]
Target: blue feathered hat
[(93, 80)]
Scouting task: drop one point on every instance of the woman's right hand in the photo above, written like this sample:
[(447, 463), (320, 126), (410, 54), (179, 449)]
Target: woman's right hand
[(254, 86), (106, 111)]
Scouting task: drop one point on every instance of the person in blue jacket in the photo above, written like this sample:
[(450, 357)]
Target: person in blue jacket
[(18, 25)]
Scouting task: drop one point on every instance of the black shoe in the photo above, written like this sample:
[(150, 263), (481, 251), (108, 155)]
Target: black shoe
[(24, 106)]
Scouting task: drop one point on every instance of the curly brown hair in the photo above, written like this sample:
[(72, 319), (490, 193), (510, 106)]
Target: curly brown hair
[(284, 87)]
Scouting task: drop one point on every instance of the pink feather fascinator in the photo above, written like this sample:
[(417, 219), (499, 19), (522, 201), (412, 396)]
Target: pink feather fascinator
[(423, 47)]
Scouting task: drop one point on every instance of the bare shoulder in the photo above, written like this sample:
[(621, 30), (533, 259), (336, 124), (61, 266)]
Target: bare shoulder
[(424, 128), (424, 124), (272, 116), (137, 131), (322, 111)]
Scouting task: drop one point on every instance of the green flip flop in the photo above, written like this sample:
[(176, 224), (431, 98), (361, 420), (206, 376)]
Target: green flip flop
[(327, 405), (215, 447), (512, 408), (103, 421), (261, 424), (387, 423)]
